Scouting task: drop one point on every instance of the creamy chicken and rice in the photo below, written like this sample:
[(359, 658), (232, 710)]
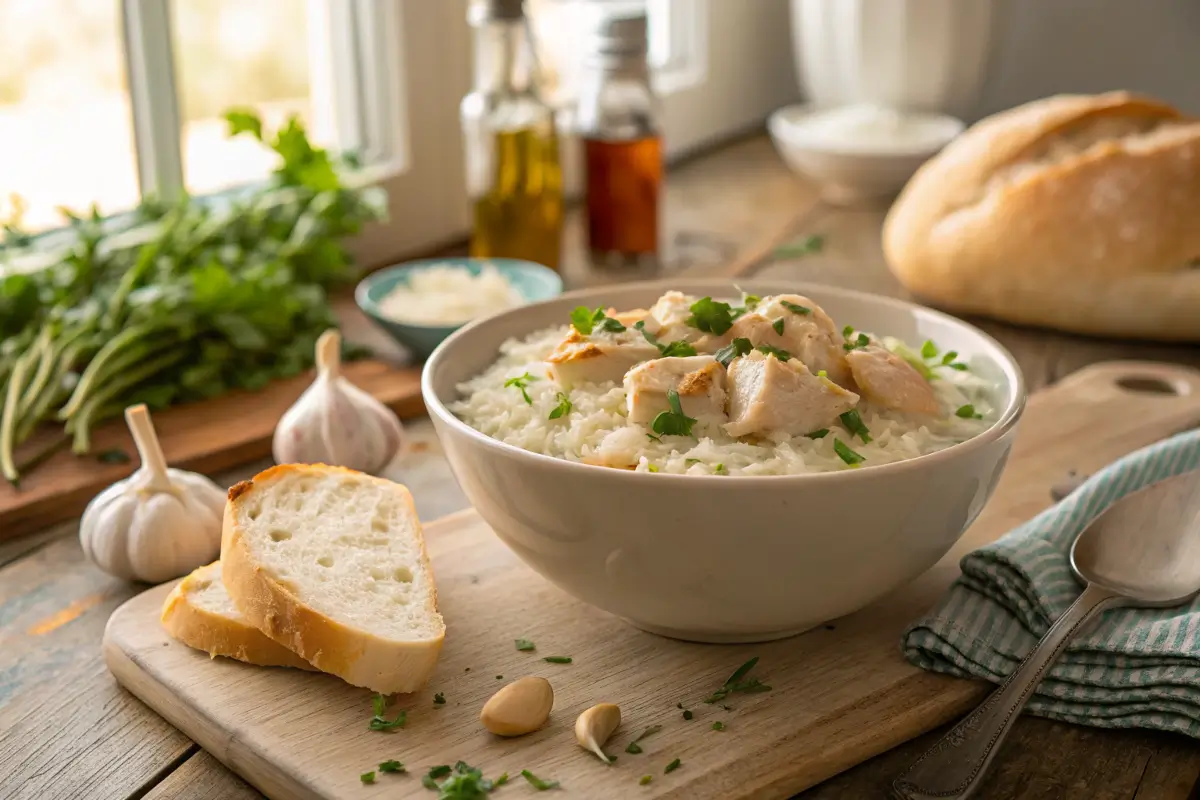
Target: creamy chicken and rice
[(696, 385)]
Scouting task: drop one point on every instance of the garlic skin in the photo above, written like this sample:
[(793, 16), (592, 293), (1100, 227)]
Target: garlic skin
[(158, 523), (334, 422)]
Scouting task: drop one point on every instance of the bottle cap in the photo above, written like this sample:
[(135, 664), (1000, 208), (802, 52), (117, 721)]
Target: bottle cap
[(618, 33), (483, 10)]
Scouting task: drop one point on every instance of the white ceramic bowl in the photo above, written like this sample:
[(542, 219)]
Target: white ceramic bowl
[(848, 173), (725, 559)]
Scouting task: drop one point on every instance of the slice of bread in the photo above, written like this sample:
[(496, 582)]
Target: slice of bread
[(331, 563), (199, 613)]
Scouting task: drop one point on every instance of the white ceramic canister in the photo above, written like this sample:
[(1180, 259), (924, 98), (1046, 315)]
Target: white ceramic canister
[(926, 55)]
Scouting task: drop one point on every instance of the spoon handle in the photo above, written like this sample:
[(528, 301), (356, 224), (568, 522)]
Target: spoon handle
[(954, 767)]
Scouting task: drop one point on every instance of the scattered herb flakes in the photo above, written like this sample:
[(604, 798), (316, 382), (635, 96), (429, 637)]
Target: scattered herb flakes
[(711, 316), (113, 456), (948, 360), (634, 748), (929, 350), (846, 454), (738, 682), (523, 645), (690, 461), (439, 699), (367, 777), (782, 355), (587, 320), (727, 708), (778, 326), (673, 422), (719, 469), (818, 434), (651, 468), (968, 412), (674, 349), (645, 779), (537, 782), (687, 713), (857, 343), (379, 722), (611, 325), (822, 374), (557, 659), (847, 331), (466, 669), (464, 782), (522, 383), (855, 425), (805, 247), (653, 438), (718, 726), (391, 766), (503, 779), (439, 771), (563, 408), (738, 347), (674, 765), (679, 705), (429, 783), (499, 677), (796, 308)]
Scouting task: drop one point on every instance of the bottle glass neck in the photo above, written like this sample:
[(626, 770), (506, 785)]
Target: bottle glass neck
[(504, 57)]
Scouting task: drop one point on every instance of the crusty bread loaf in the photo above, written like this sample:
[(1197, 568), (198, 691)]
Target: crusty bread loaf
[(1075, 212), (199, 613), (331, 563)]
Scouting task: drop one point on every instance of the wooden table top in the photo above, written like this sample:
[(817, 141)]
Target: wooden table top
[(68, 731)]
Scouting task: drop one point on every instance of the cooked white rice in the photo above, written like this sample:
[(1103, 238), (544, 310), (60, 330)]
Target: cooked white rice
[(596, 429)]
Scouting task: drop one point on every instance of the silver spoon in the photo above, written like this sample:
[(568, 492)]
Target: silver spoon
[(1143, 551)]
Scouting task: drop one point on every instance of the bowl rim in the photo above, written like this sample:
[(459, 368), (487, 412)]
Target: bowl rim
[(371, 308), (777, 124), (997, 430)]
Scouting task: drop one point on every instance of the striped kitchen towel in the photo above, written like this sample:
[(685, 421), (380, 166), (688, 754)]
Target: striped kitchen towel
[(1135, 669)]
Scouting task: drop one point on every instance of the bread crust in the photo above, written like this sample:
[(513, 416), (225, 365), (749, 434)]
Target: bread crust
[(219, 635), (1080, 213), (356, 656)]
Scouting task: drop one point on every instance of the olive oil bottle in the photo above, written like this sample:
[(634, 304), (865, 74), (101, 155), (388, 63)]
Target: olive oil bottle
[(514, 177)]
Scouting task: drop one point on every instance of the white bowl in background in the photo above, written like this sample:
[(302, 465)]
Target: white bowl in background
[(854, 171), (725, 559)]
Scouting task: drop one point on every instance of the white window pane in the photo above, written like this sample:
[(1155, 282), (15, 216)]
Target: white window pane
[(245, 53), (658, 20), (65, 121)]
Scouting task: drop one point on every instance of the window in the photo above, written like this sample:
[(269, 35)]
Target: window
[(111, 101)]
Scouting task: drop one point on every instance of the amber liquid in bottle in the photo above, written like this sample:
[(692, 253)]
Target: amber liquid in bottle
[(521, 214), (624, 181)]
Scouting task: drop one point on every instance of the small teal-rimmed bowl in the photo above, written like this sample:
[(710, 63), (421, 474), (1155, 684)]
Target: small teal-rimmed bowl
[(533, 282)]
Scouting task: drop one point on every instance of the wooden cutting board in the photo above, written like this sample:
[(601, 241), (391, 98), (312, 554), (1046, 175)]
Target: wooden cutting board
[(207, 436), (842, 692)]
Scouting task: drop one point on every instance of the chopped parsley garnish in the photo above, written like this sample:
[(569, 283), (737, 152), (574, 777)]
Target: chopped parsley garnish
[(738, 682), (113, 456), (948, 360), (857, 343), (846, 454), (719, 469), (503, 779), (778, 326), (690, 461), (651, 468), (524, 644), (738, 347), (711, 316), (439, 699), (718, 726), (653, 438), (855, 425), (674, 765), (437, 773), (499, 677), (818, 434), (806, 246), (687, 713), (391, 766), (678, 348), (645, 779), (381, 723), (633, 747), (968, 412), (464, 782), (847, 331), (679, 705), (522, 383), (929, 350), (367, 777), (563, 408), (673, 422), (587, 320), (557, 659), (537, 782), (795, 308), (822, 374), (928, 360), (782, 355)]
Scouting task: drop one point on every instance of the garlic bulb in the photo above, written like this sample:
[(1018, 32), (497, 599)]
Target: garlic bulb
[(334, 422), (158, 523)]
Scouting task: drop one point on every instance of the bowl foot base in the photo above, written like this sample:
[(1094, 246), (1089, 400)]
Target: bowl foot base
[(720, 638)]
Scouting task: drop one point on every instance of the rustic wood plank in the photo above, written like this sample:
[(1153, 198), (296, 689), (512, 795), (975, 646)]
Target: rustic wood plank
[(202, 777)]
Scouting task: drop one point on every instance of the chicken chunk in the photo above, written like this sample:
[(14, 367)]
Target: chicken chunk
[(699, 381), (886, 379), (671, 312), (597, 359), (767, 395)]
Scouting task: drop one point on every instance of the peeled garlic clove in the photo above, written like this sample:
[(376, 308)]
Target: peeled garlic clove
[(594, 727), (519, 708), (334, 422)]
